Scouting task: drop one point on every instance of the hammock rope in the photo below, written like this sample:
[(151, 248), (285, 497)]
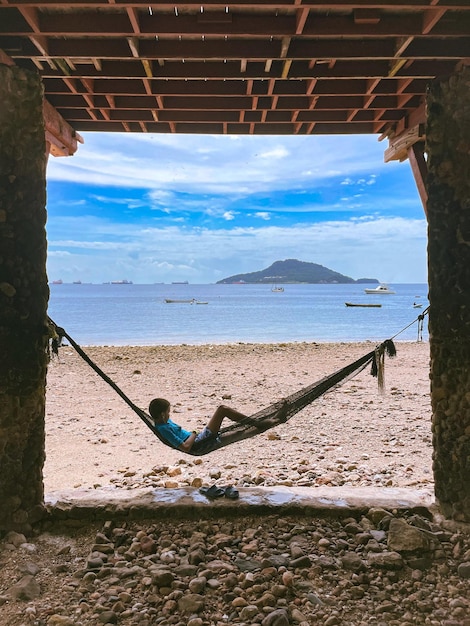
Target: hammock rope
[(273, 415)]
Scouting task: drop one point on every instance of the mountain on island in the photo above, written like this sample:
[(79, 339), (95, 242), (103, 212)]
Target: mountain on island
[(293, 271)]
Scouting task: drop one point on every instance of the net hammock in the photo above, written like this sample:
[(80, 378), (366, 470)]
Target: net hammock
[(271, 416)]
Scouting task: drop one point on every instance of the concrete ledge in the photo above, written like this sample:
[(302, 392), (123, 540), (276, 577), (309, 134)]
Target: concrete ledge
[(187, 502)]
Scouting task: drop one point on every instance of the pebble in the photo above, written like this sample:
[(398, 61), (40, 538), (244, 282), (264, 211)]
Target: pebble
[(263, 571)]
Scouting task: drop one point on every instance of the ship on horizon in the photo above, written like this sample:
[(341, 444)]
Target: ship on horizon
[(180, 282)]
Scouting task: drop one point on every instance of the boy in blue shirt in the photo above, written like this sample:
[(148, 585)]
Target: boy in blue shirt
[(182, 439)]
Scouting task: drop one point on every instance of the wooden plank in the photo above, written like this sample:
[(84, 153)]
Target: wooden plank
[(399, 145), (419, 167), (62, 137)]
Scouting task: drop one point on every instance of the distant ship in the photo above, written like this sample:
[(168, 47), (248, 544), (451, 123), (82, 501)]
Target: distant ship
[(121, 282), (77, 282), (180, 282), (58, 282)]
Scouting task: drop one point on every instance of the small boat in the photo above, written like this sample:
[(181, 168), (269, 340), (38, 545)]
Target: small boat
[(179, 301), (374, 306), (58, 282), (198, 302), (278, 289), (380, 289), (416, 305)]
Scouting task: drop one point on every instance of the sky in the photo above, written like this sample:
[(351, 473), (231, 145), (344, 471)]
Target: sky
[(163, 208)]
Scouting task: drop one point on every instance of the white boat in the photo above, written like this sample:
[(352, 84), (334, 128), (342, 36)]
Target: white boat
[(278, 289), (380, 289)]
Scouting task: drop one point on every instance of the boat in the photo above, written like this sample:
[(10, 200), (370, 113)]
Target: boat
[(278, 289), (180, 282), (375, 306), (58, 282), (416, 305), (181, 301), (121, 282), (380, 289)]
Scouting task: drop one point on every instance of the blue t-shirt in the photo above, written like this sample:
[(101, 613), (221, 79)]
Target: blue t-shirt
[(172, 433)]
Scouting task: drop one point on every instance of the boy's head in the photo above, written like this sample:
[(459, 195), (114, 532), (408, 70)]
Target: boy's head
[(158, 406)]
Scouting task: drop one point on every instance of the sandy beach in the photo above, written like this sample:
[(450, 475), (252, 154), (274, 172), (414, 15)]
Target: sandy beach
[(353, 435)]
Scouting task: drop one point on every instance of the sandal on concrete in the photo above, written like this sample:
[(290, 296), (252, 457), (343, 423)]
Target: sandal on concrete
[(212, 492), (231, 493)]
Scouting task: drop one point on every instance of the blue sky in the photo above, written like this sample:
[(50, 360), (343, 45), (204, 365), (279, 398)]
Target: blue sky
[(163, 208)]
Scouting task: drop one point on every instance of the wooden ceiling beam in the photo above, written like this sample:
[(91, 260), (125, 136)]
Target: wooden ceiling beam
[(416, 5), (297, 66), (60, 135), (125, 22), (133, 16), (61, 138), (302, 49), (398, 146), (419, 168), (128, 69), (430, 18)]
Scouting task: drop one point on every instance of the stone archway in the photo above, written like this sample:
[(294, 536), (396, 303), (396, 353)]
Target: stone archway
[(24, 293)]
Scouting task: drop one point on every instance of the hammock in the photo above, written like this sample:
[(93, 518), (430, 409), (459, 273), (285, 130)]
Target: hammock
[(265, 419)]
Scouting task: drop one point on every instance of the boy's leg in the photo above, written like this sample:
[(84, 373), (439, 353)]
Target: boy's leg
[(221, 412)]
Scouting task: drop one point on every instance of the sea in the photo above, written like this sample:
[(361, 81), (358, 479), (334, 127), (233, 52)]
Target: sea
[(138, 315)]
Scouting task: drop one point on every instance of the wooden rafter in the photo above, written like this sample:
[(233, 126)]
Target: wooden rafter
[(251, 67)]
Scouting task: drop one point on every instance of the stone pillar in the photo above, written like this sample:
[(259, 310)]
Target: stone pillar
[(448, 149), (24, 296)]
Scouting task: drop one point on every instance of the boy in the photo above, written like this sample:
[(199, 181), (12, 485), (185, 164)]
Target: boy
[(182, 439)]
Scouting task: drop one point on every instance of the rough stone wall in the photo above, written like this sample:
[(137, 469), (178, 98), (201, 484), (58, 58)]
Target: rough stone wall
[(24, 296), (448, 148)]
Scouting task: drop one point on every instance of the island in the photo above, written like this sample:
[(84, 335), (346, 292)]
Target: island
[(294, 271)]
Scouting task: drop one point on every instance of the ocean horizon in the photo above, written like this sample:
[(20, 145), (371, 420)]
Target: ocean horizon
[(118, 314)]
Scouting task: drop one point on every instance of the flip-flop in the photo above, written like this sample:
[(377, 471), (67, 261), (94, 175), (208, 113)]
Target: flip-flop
[(212, 492), (231, 493)]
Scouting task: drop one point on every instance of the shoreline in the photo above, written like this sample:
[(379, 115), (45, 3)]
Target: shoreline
[(202, 344), (349, 436)]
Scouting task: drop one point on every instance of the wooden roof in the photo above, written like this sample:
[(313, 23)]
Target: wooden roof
[(296, 67)]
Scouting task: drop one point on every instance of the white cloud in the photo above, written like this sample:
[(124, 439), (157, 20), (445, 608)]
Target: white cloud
[(199, 183), (252, 164), (392, 250)]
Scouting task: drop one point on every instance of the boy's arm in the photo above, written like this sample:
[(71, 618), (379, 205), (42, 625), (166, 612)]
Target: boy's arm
[(188, 443)]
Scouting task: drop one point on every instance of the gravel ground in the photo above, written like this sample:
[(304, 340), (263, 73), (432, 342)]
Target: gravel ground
[(379, 568)]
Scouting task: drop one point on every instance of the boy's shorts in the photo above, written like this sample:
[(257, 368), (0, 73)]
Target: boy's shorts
[(206, 441), (204, 434)]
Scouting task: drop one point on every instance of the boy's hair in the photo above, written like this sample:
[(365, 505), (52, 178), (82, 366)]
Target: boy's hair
[(157, 406)]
